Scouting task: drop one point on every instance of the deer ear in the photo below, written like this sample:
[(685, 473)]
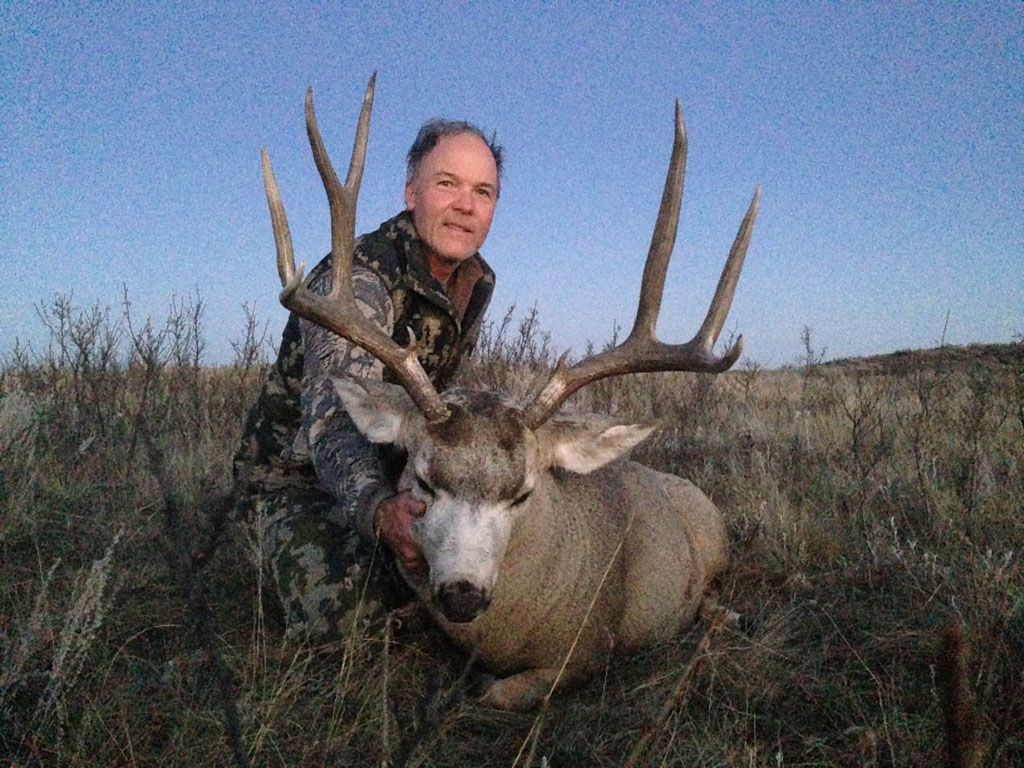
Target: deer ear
[(379, 410), (583, 446)]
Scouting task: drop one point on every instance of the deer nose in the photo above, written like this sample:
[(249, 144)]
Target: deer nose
[(461, 601)]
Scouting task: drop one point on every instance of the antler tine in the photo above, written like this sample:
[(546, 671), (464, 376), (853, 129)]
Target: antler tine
[(355, 166), (341, 200), (338, 311), (663, 239), (282, 235), (641, 351), (719, 308)]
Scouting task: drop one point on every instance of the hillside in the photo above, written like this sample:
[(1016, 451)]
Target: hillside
[(907, 361)]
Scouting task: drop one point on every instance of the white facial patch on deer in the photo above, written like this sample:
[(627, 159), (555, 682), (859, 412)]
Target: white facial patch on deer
[(464, 543)]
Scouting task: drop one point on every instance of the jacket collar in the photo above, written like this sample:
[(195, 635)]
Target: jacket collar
[(417, 274)]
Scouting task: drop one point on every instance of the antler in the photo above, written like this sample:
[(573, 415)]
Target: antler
[(338, 311), (641, 351)]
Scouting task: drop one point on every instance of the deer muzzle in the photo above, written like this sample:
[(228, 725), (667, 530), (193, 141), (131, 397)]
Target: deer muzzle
[(461, 601)]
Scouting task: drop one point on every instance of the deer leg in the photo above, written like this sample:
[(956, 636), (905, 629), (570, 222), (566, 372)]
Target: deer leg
[(520, 692)]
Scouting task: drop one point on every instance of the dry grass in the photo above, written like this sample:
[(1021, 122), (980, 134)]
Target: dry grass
[(875, 510)]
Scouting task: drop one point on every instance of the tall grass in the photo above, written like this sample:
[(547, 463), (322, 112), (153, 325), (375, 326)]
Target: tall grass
[(876, 522)]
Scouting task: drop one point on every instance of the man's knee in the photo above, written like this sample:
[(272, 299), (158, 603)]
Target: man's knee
[(325, 575)]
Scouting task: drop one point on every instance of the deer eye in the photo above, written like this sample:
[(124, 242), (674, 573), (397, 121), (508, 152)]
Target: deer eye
[(521, 498), (424, 486)]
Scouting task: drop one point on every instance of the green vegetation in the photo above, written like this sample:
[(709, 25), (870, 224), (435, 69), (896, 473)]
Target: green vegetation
[(875, 511)]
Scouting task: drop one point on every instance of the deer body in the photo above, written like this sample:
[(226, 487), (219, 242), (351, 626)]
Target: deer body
[(540, 538), (553, 569), (599, 551)]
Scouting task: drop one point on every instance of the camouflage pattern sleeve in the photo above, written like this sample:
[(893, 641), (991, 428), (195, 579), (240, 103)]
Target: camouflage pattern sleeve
[(346, 463)]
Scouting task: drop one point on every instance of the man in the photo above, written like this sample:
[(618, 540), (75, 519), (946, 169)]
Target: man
[(314, 492)]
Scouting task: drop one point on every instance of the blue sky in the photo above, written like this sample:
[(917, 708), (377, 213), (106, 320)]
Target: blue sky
[(888, 138)]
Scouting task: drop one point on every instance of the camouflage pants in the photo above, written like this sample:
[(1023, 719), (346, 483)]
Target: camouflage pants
[(325, 575)]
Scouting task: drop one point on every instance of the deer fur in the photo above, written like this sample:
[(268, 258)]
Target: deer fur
[(549, 531)]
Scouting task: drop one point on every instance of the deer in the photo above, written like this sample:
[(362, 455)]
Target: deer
[(546, 545)]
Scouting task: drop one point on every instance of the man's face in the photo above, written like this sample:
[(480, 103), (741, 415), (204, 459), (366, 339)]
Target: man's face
[(452, 198)]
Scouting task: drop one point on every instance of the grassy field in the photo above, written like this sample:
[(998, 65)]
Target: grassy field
[(876, 523)]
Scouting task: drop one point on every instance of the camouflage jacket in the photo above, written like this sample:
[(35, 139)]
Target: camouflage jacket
[(298, 435)]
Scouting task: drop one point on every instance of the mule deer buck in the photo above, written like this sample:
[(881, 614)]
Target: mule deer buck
[(542, 547)]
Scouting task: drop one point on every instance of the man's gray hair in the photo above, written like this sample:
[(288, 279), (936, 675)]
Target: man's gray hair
[(431, 133)]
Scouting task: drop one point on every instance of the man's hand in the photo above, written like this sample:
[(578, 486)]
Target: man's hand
[(392, 521)]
